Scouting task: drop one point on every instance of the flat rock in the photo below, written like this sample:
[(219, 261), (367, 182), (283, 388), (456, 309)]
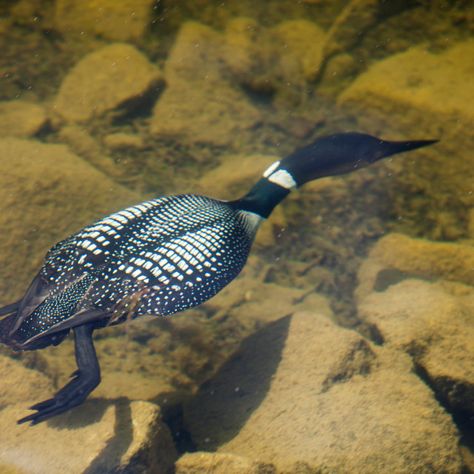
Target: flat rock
[(115, 76), (126, 20), (397, 256), (410, 84), (308, 396), (21, 119), (99, 436), (220, 463), (47, 193), (200, 104)]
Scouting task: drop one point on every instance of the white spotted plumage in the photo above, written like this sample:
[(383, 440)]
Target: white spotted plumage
[(174, 252)]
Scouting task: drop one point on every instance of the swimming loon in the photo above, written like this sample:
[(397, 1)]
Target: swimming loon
[(160, 257)]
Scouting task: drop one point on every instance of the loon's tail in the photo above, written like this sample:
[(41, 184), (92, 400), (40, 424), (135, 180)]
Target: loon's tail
[(327, 156)]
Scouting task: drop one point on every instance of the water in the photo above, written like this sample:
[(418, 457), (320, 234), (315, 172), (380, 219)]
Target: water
[(105, 106)]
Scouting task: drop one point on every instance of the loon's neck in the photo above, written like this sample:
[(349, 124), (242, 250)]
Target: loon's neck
[(262, 198)]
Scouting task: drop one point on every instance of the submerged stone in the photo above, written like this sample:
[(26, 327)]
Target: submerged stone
[(113, 77), (201, 104), (306, 395), (124, 20), (47, 193), (20, 119)]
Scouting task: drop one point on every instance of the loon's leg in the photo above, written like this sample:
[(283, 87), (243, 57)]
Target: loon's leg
[(84, 380)]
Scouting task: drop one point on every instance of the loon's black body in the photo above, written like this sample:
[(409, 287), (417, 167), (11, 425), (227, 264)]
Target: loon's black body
[(160, 257)]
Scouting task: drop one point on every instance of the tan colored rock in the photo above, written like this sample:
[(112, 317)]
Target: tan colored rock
[(243, 37), (47, 193), (235, 175), (114, 76), (21, 119), (254, 303), (123, 141), (99, 436), (470, 223), (432, 323), (85, 146), (417, 79), (305, 395), (200, 104), (397, 254), (299, 44), (126, 20), (20, 385), (219, 463)]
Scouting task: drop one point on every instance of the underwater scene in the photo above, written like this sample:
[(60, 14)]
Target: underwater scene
[(237, 237)]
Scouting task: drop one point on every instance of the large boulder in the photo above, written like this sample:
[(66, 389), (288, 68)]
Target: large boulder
[(115, 76), (47, 193), (308, 396), (99, 436)]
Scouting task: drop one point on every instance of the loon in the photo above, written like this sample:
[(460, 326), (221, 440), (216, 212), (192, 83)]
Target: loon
[(160, 257)]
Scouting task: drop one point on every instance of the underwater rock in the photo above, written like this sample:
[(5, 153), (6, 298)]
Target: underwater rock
[(276, 63), (427, 94), (20, 385), (397, 256), (21, 119), (254, 303), (234, 175), (244, 54), (87, 147), (114, 77), (126, 20), (101, 436), (299, 46), (47, 193), (220, 463), (200, 104), (470, 223), (104, 437), (418, 85), (432, 322), (306, 395), (354, 21), (428, 320), (123, 141)]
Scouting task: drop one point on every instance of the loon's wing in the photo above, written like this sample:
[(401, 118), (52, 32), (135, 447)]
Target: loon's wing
[(175, 257)]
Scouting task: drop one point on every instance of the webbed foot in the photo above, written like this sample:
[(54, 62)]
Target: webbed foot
[(84, 380)]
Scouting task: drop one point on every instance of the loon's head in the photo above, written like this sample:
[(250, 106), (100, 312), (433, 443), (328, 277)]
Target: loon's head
[(341, 153)]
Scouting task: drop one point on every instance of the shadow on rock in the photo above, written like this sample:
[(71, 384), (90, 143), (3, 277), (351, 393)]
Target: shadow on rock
[(118, 445), (242, 383), (90, 412)]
